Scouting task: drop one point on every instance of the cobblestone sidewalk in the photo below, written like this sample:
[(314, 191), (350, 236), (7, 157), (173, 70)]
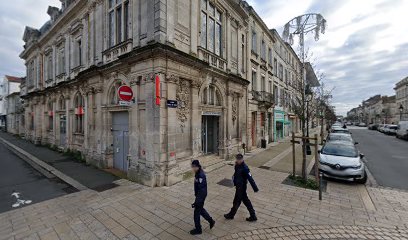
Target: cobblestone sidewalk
[(132, 211)]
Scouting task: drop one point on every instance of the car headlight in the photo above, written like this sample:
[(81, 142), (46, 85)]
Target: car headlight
[(358, 166)]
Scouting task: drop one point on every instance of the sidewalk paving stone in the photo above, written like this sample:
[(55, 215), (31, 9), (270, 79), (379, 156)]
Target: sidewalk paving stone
[(132, 211)]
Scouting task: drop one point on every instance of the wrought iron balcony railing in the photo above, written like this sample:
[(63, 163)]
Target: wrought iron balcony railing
[(263, 97)]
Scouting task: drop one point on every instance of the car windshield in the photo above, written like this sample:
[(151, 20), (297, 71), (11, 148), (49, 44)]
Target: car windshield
[(343, 150), (340, 131), (339, 137)]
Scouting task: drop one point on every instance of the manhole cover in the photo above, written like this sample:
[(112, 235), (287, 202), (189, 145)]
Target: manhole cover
[(226, 183), (105, 187), (265, 167)]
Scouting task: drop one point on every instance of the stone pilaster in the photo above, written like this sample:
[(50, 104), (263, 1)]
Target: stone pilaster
[(172, 126)]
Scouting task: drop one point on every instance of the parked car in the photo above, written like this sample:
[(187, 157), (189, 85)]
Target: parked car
[(402, 131), (340, 137), (349, 123), (373, 126), (391, 129), (341, 160), (340, 130), (362, 124), (381, 128)]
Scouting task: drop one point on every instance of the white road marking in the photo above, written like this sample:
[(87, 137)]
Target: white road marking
[(19, 202)]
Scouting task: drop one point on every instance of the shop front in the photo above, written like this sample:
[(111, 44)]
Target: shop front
[(279, 125)]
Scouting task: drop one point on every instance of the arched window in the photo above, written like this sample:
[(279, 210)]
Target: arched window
[(211, 96), (113, 93), (61, 103), (50, 116), (79, 113)]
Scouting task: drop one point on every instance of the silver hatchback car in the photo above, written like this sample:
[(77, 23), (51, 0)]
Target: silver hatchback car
[(341, 160)]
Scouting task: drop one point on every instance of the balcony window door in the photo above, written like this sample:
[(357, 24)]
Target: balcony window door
[(118, 22), (211, 28), (254, 80)]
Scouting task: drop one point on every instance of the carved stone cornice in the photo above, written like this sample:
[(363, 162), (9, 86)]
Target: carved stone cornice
[(172, 78), (134, 80), (149, 77), (196, 83)]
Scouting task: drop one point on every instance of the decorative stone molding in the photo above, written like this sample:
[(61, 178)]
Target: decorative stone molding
[(183, 98), (196, 82), (135, 80), (76, 26), (172, 78), (98, 89), (234, 108)]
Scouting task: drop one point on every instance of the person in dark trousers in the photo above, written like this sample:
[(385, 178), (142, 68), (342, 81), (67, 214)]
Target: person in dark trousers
[(200, 192), (240, 178)]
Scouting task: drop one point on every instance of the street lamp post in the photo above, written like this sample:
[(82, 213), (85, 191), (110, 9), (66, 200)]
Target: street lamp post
[(302, 25)]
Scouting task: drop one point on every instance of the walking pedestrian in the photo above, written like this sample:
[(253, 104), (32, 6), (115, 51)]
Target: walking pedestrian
[(200, 192), (240, 178)]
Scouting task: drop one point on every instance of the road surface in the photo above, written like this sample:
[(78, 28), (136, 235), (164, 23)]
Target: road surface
[(386, 156), (17, 175)]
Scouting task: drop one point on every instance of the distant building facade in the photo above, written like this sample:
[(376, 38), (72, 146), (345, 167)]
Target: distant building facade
[(8, 85), (401, 94), (202, 73), (15, 114), (376, 109)]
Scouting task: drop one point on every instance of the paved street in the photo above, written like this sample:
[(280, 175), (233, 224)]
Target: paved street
[(16, 174), (387, 157)]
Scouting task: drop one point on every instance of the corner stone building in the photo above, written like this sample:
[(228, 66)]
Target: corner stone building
[(78, 59)]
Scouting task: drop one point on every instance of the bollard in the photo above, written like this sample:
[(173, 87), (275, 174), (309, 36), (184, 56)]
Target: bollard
[(320, 185)]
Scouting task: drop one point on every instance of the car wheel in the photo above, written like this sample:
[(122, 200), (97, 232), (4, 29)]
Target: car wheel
[(362, 180)]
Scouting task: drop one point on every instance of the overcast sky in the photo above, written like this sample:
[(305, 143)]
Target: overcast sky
[(365, 49), (363, 53)]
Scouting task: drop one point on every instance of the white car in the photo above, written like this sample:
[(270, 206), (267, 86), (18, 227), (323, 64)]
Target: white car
[(340, 130), (340, 137), (391, 129), (381, 128), (341, 160), (402, 131)]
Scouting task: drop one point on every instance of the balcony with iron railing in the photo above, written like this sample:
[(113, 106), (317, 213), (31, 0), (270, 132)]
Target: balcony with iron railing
[(265, 99), (212, 59)]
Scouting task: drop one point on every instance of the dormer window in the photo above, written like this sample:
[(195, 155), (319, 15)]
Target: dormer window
[(118, 22)]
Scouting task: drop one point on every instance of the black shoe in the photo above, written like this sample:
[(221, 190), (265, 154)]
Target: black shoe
[(252, 219), (196, 232), (212, 223), (228, 216)]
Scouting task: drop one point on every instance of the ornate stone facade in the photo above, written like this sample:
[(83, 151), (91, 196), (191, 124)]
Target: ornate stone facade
[(77, 61)]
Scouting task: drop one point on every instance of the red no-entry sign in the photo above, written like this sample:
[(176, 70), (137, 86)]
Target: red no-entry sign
[(125, 93)]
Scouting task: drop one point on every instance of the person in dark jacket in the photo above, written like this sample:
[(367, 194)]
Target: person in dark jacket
[(241, 178), (200, 192)]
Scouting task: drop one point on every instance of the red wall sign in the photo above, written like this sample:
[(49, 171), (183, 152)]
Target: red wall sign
[(157, 83), (125, 93)]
